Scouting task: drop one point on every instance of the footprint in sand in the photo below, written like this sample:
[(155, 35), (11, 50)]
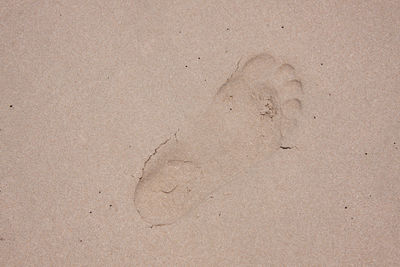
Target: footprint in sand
[(256, 108)]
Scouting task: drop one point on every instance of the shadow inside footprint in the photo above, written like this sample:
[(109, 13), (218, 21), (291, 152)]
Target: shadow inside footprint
[(251, 113)]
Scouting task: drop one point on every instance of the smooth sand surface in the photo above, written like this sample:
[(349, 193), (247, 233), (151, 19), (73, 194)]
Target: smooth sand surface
[(118, 145)]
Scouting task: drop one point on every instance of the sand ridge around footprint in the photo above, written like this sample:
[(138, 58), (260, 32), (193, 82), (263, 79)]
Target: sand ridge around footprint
[(250, 115)]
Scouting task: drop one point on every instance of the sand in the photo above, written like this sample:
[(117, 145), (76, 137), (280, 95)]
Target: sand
[(199, 133)]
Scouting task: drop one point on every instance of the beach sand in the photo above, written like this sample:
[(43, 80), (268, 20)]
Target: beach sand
[(199, 133)]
